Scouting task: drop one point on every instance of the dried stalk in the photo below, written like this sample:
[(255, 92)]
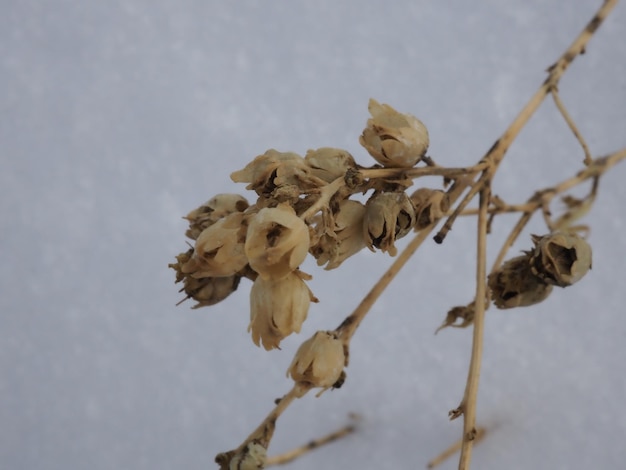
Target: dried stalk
[(316, 202)]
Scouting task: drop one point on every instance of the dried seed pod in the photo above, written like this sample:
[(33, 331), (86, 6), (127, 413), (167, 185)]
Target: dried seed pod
[(430, 206), (560, 259), (514, 285), (278, 308), (319, 360), (211, 211), (207, 291), (344, 239), (392, 138), (219, 249), (274, 169), (277, 242), (252, 457), (329, 163), (388, 217)]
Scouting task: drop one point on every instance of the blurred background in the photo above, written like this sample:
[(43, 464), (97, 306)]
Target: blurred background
[(120, 117)]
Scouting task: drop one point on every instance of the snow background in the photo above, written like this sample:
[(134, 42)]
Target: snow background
[(120, 117)]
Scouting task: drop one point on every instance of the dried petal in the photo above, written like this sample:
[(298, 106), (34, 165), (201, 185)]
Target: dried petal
[(277, 242), (329, 163), (211, 211), (388, 217), (560, 259), (430, 206), (392, 138), (274, 169), (319, 360), (219, 249), (514, 285), (344, 239), (278, 308)]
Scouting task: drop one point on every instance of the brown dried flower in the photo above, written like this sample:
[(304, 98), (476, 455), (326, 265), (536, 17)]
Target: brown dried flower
[(275, 169), (206, 291), (388, 217), (329, 163), (211, 211), (430, 206), (392, 138), (344, 239), (278, 308), (514, 285), (219, 249), (560, 259), (277, 242), (319, 360)]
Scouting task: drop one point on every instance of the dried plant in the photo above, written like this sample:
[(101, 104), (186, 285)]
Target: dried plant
[(312, 205)]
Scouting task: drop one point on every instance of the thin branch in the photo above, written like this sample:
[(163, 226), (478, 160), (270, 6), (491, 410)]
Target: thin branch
[(570, 123), (293, 454), (468, 405), (454, 448), (499, 148)]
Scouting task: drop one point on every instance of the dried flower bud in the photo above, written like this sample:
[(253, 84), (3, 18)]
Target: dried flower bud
[(560, 259), (392, 138), (274, 169), (430, 206), (319, 360), (344, 238), (252, 457), (388, 217), (514, 285), (219, 249), (211, 211), (278, 308), (328, 163), (277, 242)]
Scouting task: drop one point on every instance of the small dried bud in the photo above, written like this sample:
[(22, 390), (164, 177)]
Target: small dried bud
[(328, 163), (319, 360), (392, 138), (277, 242), (388, 217), (219, 249), (560, 259), (430, 206), (211, 211), (274, 169), (278, 308), (514, 285), (344, 239), (252, 457), (209, 290)]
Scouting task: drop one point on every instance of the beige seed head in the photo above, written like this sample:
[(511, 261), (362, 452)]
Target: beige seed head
[(329, 163), (277, 241), (430, 206), (319, 360), (278, 308), (560, 259), (344, 239), (274, 170), (219, 250), (211, 211), (388, 217), (392, 138)]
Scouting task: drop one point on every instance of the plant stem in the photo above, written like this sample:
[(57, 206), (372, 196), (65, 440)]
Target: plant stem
[(468, 405)]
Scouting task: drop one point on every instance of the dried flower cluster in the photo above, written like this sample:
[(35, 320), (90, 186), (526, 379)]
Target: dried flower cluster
[(305, 205), (298, 211)]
